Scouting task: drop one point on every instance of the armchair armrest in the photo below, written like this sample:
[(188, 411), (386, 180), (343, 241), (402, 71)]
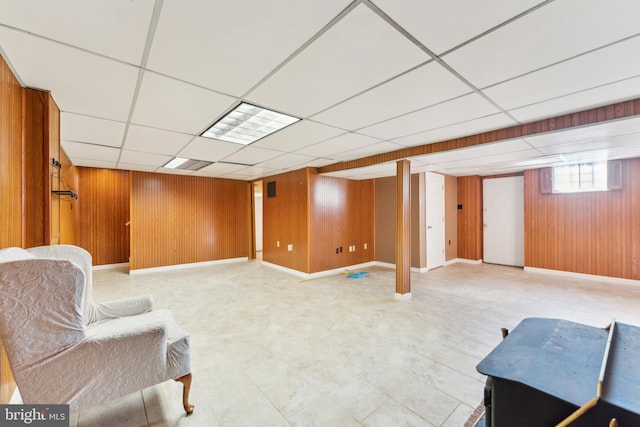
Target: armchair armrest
[(123, 307)]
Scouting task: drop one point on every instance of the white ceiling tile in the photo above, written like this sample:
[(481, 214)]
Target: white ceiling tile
[(298, 135), (224, 46), (339, 144), (471, 127), (595, 132), (209, 149), (491, 159), (368, 150), (170, 171), (251, 173), (286, 161), (90, 25), (250, 155), (148, 159), (140, 138), (79, 82), (552, 33), (74, 127), (134, 167), (465, 108), (422, 87), (605, 66), (442, 25), (219, 169), (166, 103), (631, 140), (473, 153), (360, 51), (79, 150), (590, 98), (94, 164)]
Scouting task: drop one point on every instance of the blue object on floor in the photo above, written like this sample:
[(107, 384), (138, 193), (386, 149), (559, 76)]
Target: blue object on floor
[(358, 275)]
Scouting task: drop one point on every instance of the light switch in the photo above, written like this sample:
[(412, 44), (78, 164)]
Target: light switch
[(290, 247)]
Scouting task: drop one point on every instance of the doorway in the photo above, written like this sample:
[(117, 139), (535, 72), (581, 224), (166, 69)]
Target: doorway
[(435, 220), (503, 220)]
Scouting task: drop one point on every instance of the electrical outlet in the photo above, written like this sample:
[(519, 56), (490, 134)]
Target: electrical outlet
[(365, 246), (290, 247), (277, 243)]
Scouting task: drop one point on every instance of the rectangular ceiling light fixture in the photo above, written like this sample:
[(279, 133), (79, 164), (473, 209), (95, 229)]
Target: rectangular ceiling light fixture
[(188, 164), (247, 123)]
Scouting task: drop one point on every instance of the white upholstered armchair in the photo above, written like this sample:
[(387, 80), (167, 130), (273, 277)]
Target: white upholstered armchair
[(63, 348)]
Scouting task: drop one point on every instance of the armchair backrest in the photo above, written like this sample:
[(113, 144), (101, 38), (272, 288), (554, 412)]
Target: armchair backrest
[(41, 307)]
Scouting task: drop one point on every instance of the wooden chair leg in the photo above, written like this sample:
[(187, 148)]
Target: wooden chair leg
[(186, 382)]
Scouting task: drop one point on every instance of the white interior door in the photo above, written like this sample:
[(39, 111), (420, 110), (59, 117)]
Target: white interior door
[(503, 218), (435, 220)]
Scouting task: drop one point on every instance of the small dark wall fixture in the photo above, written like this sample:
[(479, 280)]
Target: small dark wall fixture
[(271, 189)]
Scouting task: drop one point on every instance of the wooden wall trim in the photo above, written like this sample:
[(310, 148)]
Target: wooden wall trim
[(595, 115)]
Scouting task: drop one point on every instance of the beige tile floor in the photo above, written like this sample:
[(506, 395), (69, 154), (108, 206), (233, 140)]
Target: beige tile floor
[(271, 350)]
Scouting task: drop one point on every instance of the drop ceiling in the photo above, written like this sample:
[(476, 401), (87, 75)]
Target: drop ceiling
[(138, 81)]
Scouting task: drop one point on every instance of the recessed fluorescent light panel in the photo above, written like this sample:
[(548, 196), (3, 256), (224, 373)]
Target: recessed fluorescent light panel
[(189, 164), (247, 123)]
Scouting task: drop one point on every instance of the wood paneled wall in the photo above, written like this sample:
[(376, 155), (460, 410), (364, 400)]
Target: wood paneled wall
[(36, 179), (470, 233), (53, 203), (103, 204), (10, 158), (11, 224), (451, 217), (419, 220), (286, 220), (184, 219), (69, 217), (342, 214), (592, 233)]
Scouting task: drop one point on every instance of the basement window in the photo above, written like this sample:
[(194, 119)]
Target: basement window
[(580, 177)]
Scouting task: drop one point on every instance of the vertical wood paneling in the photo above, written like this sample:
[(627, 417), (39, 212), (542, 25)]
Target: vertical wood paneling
[(35, 169), (10, 188), (418, 220), (184, 219), (69, 214), (286, 220), (103, 202), (52, 202), (385, 226), (342, 214), (451, 217), (470, 231), (592, 233), (10, 158)]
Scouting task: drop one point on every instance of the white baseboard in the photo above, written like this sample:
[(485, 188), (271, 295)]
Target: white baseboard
[(16, 399), (325, 273), (110, 266), (403, 297), (463, 261), (583, 276), (384, 264), (190, 265)]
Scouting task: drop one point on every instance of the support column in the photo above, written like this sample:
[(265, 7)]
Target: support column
[(403, 230)]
